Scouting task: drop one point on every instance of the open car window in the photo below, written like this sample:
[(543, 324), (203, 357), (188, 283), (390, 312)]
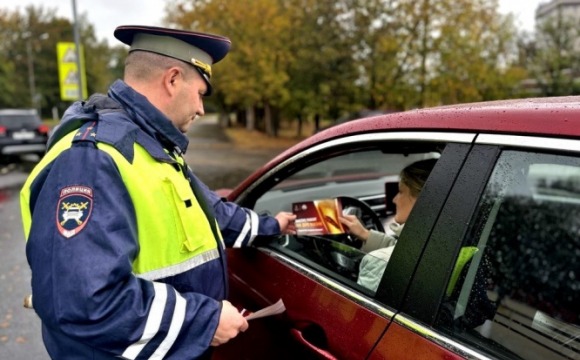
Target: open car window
[(360, 174), (364, 180)]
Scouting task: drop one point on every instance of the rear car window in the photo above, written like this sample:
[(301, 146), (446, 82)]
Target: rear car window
[(18, 120), (517, 293)]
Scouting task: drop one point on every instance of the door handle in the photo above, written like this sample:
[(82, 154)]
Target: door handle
[(322, 354)]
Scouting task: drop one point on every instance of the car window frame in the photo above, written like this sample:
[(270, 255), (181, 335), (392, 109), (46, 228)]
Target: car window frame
[(435, 266), (427, 292), (276, 174), (456, 150), (423, 217)]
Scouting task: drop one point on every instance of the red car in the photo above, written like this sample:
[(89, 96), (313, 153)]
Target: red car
[(486, 267)]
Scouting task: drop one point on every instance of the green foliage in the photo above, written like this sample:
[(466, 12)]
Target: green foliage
[(316, 59), (474, 63), (7, 82), (28, 46), (553, 57), (330, 57)]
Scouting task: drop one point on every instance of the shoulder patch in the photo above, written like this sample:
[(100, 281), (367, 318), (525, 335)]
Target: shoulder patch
[(87, 132), (74, 209)]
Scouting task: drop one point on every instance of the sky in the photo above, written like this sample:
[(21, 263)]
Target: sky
[(106, 15)]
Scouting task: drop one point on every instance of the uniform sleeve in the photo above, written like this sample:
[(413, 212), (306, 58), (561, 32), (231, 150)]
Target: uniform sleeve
[(81, 246), (239, 226)]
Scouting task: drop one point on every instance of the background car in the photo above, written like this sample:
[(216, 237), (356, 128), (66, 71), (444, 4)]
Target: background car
[(488, 263), (22, 132)]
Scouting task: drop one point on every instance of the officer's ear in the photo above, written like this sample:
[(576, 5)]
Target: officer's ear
[(172, 78)]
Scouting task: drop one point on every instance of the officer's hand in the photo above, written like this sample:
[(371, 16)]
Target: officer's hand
[(286, 221), (230, 325)]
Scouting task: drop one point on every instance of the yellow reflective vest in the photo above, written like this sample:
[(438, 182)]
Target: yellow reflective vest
[(173, 238)]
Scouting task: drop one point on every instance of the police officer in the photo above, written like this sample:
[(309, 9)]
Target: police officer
[(125, 244)]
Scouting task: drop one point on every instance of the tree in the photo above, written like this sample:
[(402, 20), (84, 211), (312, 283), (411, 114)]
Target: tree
[(29, 45), (553, 56), (307, 59), (101, 62), (22, 44), (462, 52), (255, 73), (388, 32), (7, 74), (297, 47), (323, 74)]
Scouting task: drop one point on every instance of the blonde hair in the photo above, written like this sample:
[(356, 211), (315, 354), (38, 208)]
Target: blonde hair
[(415, 175)]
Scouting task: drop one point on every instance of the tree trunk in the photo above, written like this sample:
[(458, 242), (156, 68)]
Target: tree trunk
[(268, 120), (241, 118), (316, 122), (424, 52), (224, 120), (276, 120), (250, 118)]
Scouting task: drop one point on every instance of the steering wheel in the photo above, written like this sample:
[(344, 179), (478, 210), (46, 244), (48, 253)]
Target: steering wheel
[(340, 251), (365, 214)]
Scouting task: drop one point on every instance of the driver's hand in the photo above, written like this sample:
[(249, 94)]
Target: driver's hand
[(354, 226)]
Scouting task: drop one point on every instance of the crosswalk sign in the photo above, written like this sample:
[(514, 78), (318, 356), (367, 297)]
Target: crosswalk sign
[(68, 72)]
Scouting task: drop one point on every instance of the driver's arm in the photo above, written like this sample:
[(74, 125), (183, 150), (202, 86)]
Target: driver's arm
[(377, 240), (355, 227), (371, 239)]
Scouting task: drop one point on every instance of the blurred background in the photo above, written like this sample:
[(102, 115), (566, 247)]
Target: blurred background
[(310, 62), (295, 67)]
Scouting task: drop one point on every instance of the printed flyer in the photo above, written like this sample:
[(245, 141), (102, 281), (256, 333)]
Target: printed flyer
[(318, 217)]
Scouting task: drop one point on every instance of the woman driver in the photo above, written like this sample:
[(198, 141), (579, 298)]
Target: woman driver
[(380, 245)]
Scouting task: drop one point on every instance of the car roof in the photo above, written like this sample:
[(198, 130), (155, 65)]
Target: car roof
[(552, 116), (18, 112), (555, 116)]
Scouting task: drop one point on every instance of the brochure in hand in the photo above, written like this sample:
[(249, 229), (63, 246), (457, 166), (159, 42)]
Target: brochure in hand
[(318, 217), (274, 309)]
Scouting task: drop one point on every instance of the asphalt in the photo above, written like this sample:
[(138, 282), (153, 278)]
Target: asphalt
[(217, 160)]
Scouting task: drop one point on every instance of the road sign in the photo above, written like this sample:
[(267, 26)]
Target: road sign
[(68, 72)]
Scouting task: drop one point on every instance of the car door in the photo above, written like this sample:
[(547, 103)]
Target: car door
[(328, 314), (499, 275)]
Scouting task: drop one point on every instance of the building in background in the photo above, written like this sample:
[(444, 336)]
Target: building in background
[(554, 8), (561, 15), (551, 56)]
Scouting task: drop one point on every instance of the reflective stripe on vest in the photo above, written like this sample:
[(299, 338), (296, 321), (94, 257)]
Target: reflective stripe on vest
[(173, 232), (465, 254)]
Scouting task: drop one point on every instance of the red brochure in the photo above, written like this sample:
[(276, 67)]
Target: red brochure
[(318, 217)]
